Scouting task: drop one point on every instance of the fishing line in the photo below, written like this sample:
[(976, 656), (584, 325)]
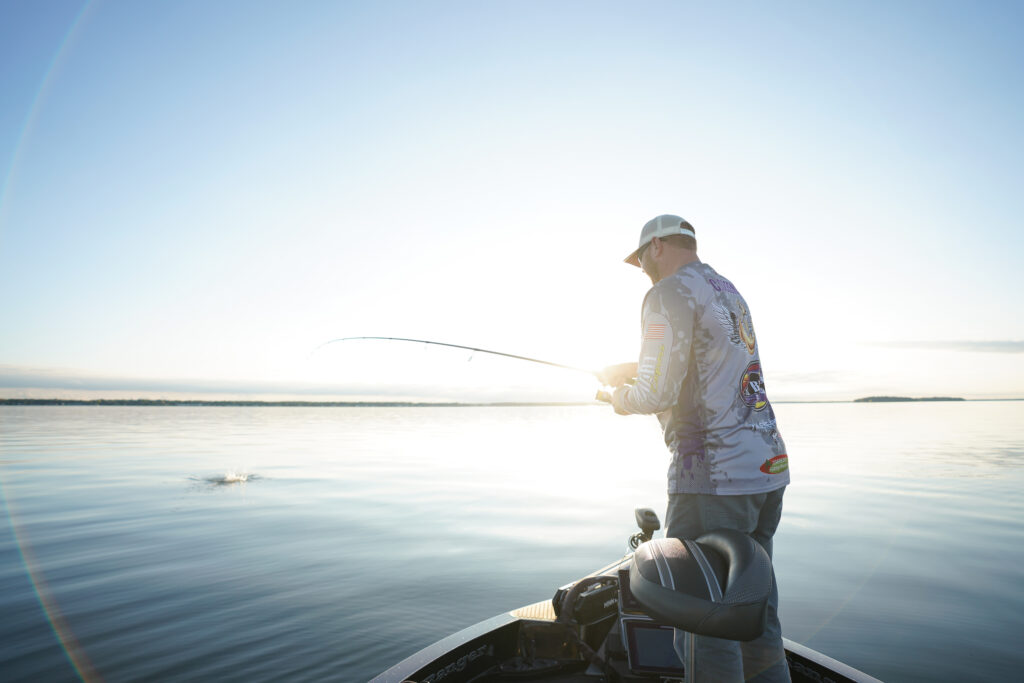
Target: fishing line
[(592, 373)]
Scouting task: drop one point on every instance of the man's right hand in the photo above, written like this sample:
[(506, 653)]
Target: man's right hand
[(618, 375)]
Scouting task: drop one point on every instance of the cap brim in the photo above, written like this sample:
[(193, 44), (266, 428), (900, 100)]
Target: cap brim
[(634, 258)]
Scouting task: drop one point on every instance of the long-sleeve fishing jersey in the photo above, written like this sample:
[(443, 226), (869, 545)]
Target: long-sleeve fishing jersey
[(699, 371)]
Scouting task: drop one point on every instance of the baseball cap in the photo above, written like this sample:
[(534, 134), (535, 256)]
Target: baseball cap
[(660, 226)]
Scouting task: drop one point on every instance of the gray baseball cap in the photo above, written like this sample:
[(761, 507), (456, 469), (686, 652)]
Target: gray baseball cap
[(660, 226)]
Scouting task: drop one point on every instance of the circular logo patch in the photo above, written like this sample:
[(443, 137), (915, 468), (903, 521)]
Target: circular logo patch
[(752, 387)]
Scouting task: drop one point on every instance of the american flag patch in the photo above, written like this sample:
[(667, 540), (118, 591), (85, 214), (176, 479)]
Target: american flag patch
[(654, 331)]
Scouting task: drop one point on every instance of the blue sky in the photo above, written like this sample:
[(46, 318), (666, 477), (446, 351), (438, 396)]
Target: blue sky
[(196, 195)]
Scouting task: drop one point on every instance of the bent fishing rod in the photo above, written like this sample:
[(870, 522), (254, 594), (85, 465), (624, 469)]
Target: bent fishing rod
[(592, 373)]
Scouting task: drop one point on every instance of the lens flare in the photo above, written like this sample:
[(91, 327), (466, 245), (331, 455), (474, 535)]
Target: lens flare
[(73, 650)]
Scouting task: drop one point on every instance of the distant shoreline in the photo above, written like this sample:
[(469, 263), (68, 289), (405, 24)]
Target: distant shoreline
[(269, 404), (905, 399)]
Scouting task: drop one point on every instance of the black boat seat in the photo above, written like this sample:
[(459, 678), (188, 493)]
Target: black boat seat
[(717, 585)]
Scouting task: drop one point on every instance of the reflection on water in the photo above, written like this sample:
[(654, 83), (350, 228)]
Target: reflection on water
[(361, 535)]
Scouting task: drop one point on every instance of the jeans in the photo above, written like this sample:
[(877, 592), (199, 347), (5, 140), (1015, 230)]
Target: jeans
[(689, 515)]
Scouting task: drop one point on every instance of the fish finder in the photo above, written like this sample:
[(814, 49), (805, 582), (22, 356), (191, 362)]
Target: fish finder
[(650, 646)]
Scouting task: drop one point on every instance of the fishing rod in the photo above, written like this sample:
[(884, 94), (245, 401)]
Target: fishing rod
[(592, 373)]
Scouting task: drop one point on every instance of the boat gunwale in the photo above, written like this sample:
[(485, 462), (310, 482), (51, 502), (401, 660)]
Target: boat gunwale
[(432, 653), (827, 662), (416, 662)]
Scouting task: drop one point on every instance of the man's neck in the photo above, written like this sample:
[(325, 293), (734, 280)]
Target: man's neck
[(683, 257)]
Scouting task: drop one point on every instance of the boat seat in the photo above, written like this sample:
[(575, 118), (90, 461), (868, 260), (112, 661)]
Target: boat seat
[(717, 585)]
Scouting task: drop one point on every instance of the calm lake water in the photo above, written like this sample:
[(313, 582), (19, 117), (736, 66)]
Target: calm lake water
[(360, 535)]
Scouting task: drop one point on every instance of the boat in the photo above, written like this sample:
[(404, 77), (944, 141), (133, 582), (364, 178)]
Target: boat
[(632, 621)]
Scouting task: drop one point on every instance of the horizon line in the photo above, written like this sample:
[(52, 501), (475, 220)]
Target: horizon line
[(158, 402)]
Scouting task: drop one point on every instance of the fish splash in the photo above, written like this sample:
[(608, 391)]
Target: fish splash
[(229, 478)]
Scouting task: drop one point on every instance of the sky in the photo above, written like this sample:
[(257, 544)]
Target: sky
[(195, 196)]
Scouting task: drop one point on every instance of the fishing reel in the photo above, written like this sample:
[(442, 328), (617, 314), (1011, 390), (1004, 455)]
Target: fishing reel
[(606, 396), (647, 520)]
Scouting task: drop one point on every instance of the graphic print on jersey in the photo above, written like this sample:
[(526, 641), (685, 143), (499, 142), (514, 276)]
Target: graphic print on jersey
[(655, 331), (739, 329), (776, 465), (752, 387), (769, 427), (746, 325)]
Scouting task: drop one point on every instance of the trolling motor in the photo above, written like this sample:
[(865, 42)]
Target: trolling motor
[(647, 520), (590, 601)]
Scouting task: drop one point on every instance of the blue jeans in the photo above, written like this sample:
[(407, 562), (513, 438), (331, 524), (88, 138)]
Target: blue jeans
[(691, 514)]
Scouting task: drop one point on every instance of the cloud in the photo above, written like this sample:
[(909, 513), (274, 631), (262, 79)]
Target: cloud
[(969, 346)]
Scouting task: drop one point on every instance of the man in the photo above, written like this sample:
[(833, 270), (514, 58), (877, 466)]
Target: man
[(700, 373)]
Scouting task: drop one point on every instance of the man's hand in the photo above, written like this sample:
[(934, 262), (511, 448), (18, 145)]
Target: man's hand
[(614, 400), (617, 399), (617, 375)]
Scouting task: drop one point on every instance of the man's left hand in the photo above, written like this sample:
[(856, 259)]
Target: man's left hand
[(618, 398)]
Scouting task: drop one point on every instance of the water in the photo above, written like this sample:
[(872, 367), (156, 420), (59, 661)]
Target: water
[(271, 543)]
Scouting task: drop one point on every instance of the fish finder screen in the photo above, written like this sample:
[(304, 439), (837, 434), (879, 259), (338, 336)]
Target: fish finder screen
[(650, 648)]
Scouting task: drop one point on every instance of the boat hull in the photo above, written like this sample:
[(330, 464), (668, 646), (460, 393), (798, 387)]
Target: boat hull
[(473, 652)]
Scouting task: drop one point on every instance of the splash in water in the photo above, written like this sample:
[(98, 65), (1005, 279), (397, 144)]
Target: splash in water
[(228, 478)]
